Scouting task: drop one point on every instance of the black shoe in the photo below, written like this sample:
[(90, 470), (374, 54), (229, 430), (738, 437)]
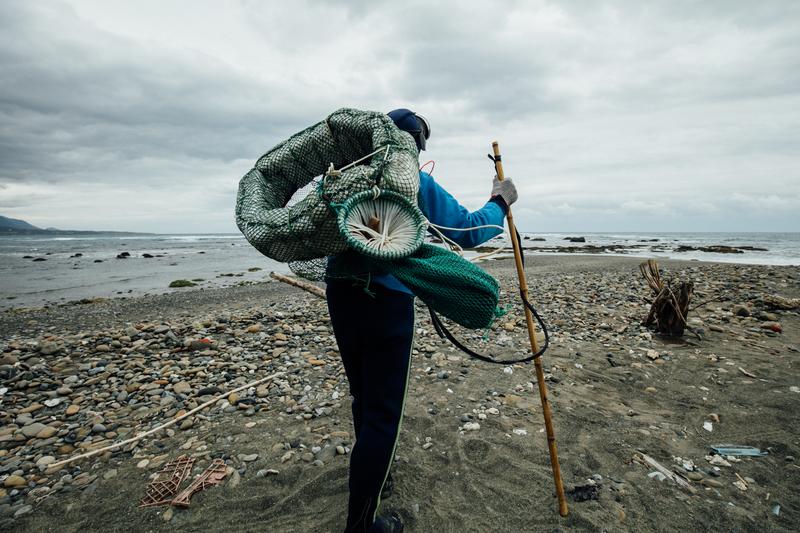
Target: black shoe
[(388, 487), (390, 523)]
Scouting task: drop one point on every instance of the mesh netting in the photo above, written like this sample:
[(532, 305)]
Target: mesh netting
[(365, 215), (309, 229), (445, 281), (450, 285)]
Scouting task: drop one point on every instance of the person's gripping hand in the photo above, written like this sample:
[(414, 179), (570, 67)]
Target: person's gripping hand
[(505, 189)]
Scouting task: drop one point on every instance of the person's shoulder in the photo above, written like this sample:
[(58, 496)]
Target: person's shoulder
[(426, 180)]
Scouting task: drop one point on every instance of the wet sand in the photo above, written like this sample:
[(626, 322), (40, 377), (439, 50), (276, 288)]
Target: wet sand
[(616, 390)]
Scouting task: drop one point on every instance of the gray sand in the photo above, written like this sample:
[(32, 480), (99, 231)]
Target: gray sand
[(615, 389)]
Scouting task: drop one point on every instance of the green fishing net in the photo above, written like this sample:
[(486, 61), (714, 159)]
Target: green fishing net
[(450, 285), (309, 229), (365, 214), (445, 281)]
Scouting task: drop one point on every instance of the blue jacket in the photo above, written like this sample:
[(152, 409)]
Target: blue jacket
[(442, 209)]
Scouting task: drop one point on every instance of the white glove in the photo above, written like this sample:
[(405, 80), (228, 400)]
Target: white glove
[(505, 189)]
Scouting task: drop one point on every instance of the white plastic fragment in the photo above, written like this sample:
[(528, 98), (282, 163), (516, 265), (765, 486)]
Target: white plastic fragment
[(708, 426), (717, 460)]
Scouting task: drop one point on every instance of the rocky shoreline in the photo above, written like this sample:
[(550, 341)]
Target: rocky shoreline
[(651, 245), (75, 378)]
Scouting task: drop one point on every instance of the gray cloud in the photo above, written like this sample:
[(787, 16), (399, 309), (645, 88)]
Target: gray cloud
[(609, 112), (76, 102)]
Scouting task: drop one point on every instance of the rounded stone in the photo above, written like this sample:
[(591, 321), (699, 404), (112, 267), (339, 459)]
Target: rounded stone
[(47, 432), (14, 481), (46, 460), (31, 430)]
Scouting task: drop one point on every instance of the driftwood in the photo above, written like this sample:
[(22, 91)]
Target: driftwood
[(55, 466), (294, 282), (649, 461), (670, 304), (773, 301)]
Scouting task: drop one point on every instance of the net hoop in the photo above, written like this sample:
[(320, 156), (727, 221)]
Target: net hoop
[(398, 227)]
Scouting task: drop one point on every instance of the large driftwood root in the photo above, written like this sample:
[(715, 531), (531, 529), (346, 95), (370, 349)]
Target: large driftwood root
[(670, 304)]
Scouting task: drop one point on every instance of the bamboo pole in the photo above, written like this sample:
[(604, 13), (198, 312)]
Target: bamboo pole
[(537, 362), (165, 425)]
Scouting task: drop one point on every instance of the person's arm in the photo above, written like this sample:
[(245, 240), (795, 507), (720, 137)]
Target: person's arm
[(442, 209)]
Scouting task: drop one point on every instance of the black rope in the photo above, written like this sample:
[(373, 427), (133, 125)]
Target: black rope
[(444, 333)]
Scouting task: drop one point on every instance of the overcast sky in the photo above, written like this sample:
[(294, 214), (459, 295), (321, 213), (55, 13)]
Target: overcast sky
[(612, 116)]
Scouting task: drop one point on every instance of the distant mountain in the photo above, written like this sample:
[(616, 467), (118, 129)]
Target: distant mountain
[(14, 225)]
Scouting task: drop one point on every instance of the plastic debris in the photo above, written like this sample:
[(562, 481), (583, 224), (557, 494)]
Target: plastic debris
[(708, 426), (212, 476), (165, 486), (649, 461), (163, 490), (734, 450), (717, 460)]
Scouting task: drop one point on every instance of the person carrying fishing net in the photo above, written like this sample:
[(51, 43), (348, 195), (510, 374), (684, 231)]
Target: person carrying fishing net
[(360, 224), (373, 321)]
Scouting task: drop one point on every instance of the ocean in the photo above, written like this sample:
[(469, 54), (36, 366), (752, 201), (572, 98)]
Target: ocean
[(81, 266)]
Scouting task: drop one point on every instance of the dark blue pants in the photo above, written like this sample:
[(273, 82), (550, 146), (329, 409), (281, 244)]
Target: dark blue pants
[(375, 335)]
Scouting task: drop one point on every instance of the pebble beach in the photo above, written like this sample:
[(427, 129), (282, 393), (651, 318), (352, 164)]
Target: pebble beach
[(472, 454)]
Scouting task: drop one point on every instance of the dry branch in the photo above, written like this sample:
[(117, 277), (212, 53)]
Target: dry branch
[(294, 282), (774, 301), (165, 425), (647, 460)]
